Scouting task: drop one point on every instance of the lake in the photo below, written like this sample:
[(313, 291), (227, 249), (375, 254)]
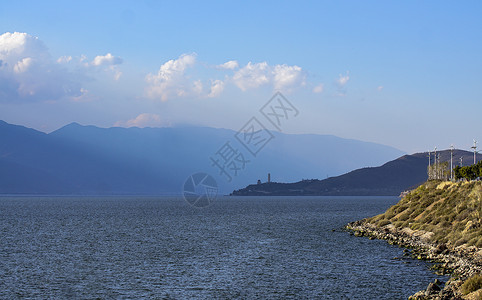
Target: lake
[(160, 247)]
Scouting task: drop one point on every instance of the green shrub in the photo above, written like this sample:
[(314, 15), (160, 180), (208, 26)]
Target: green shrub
[(404, 216), (383, 223), (472, 284), (390, 214)]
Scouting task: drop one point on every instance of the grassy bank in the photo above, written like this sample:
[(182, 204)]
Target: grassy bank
[(440, 222), (449, 212)]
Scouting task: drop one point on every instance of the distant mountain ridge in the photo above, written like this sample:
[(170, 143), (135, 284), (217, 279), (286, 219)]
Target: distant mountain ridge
[(79, 159), (389, 179)]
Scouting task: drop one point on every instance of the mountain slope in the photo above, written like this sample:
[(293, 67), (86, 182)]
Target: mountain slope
[(35, 162), (389, 179)]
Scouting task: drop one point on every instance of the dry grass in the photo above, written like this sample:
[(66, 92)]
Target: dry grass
[(472, 284), (452, 211)]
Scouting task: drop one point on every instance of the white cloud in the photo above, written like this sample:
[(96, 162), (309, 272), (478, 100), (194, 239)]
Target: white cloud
[(287, 77), (319, 88), (171, 80), (106, 60), (230, 65), (174, 78), (22, 65), (217, 87), (198, 87), (142, 120), (64, 59), (343, 80), (28, 72), (84, 96), (281, 77), (176, 67), (380, 88), (83, 58), (117, 74), (252, 76), (108, 63)]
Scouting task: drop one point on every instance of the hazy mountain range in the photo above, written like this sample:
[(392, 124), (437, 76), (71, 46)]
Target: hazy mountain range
[(80, 159)]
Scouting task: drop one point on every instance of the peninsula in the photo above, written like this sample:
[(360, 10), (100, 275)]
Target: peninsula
[(390, 179)]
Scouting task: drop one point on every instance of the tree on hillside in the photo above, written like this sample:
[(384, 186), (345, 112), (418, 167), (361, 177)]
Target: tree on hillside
[(468, 172), (458, 173)]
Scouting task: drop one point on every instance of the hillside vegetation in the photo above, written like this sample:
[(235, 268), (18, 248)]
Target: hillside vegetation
[(450, 212), (468, 172)]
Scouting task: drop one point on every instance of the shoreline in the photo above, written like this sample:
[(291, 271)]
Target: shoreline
[(460, 262)]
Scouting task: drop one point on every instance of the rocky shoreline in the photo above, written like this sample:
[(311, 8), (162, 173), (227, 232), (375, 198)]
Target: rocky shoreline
[(460, 262)]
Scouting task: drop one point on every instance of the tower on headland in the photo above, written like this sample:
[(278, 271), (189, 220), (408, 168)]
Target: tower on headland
[(269, 177)]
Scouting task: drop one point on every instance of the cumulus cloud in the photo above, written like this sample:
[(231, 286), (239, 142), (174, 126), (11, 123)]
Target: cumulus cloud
[(22, 65), (230, 65), (170, 81), (174, 78), (287, 77), (106, 60), (343, 79), (252, 76), (28, 72), (217, 87), (282, 77), (319, 88), (141, 121)]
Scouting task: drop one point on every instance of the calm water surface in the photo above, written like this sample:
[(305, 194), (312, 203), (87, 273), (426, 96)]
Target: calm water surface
[(161, 248)]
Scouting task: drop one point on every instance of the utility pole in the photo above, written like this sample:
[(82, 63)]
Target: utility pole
[(439, 170), (429, 166), (451, 165), (461, 161), (475, 151)]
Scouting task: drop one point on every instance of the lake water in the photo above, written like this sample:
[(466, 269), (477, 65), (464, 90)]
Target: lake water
[(161, 248)]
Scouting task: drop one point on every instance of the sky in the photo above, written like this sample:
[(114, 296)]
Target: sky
[(404, 74)]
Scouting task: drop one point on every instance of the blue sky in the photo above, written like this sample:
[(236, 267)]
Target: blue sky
[(405, 74)]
